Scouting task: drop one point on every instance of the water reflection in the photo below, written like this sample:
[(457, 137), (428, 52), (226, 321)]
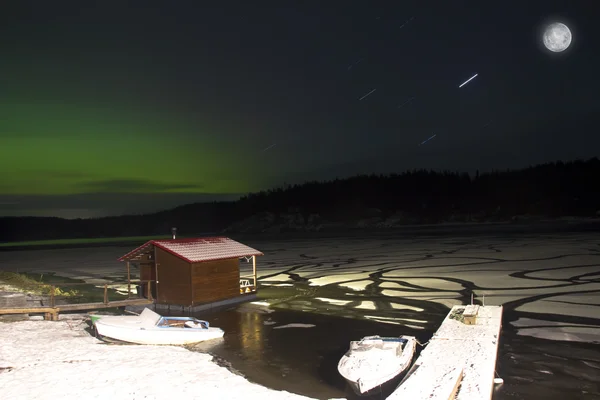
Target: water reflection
[(544, 369), (251, 337), (300, 360), (304, 360)]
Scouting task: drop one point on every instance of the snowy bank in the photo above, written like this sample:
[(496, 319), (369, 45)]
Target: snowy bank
[(50, 360)]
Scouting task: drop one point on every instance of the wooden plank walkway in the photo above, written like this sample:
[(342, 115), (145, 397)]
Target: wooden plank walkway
[(51, 313), (110, 304), (460, 360)]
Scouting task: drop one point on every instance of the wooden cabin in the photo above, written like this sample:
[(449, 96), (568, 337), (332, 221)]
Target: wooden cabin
[(191, 272)]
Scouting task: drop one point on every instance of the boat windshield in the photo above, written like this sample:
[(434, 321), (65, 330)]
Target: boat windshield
[(196, 324)]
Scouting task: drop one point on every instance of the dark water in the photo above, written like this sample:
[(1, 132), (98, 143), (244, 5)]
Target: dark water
[(298, 360), (544, 369), (304, 360)]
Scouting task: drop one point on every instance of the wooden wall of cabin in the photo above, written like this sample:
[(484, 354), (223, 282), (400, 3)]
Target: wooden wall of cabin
[(215, 280), (147, 273), (174, 283)]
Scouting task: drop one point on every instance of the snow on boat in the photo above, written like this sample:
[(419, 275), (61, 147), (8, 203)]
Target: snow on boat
[(375, 360), (152, 328)]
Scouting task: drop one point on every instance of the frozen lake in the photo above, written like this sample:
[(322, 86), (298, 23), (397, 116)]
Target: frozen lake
[(328, 291)]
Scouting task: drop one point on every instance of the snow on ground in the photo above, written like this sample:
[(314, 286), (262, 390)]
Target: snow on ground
[(8, 288), (56, 360), (295, 325)]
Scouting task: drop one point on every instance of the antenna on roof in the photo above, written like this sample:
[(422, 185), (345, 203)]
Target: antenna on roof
[(174, 232)]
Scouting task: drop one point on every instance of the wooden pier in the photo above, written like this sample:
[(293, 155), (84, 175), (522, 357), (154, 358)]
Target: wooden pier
[(51, 313), (52, 309), (460, 360)]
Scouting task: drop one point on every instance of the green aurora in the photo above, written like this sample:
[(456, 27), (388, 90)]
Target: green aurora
[(50, 149)]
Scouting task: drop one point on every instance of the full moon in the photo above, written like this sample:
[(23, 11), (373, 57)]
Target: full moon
[(557, 37)]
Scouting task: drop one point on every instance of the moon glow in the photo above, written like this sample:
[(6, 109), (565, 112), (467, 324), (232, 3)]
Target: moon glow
[(557, 37)]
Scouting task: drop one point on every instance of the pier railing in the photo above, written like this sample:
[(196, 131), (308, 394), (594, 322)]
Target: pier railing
[(247, 284), (57, 291)]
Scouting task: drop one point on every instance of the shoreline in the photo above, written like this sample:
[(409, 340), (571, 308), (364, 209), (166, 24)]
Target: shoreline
[(541, 226), (60, 359)]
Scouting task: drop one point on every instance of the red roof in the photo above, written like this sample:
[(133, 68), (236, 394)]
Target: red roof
[(197, 250)]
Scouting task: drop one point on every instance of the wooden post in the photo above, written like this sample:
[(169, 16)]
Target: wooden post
[(149, 289), (105, 293), (128, 282), (156, 271), (53, 289), (254, 271)]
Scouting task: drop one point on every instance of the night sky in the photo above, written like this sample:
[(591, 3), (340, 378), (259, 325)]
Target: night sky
[(120, 106)]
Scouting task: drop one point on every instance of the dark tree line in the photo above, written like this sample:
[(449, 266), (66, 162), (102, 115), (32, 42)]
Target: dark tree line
[(548, 190), (554, 189)]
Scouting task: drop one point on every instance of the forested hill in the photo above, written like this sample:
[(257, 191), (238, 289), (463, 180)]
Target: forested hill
[(370, 202)]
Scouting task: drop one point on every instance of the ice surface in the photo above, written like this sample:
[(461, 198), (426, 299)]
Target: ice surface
[(277, 278), (367, 305), (553, 330), (577, 305), (337, 278), (430, 283), (294, 325), (383, 320), (539, 275), (396, 321), (334, 301), (398, 306), (356, 285)]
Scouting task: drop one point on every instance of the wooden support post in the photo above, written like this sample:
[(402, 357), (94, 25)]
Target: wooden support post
[(470, 314), (128, 282), (149, 289), (254, 271), (52, 301), (156, 272), (51, 316), (105, 293)]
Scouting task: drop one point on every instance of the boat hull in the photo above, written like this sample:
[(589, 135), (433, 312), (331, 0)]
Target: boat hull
[(364, 380), (156, 335), (151, 328)]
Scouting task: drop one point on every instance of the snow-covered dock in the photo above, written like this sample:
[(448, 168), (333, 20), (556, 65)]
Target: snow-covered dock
[(460, 360)]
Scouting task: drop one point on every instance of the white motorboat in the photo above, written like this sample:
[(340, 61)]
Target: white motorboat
[(375, 360), (152, 328)]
